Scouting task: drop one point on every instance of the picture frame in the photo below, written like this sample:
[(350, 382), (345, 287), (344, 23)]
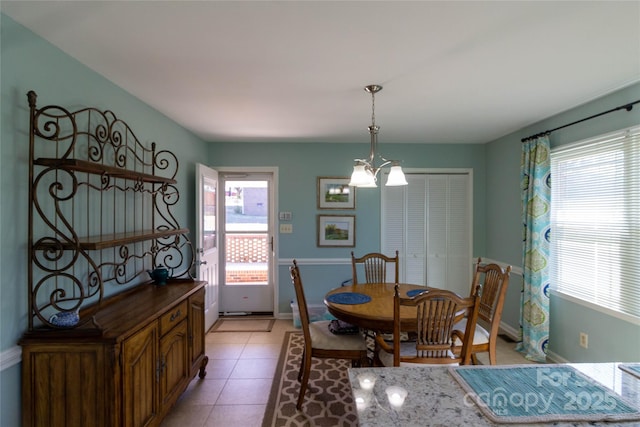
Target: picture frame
[(335, 193), (336, 231)]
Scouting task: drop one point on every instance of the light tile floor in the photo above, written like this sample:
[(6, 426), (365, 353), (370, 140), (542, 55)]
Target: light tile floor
[(239, 375)]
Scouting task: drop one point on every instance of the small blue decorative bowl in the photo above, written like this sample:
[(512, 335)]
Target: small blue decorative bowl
[(65, 318)]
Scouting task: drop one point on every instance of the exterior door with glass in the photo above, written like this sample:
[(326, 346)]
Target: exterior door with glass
[(246, 274)]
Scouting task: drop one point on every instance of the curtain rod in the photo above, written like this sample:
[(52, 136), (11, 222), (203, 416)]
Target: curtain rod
[(627, 107)]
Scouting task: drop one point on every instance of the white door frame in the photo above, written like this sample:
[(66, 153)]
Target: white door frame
[(273, 170)]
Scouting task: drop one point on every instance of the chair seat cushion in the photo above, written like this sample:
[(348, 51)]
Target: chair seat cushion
[(406, 349), (480, 336), (323, 339)]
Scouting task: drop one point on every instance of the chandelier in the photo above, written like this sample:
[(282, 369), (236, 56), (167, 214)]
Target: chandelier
[(364, 170)]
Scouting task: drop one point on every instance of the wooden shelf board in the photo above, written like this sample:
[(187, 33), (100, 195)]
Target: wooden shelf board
[(99, 169), (119, 239)]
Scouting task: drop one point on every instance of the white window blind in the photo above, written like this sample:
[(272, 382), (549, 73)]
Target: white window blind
[(595, 221)]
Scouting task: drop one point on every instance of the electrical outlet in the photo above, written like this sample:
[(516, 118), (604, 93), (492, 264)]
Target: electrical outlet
[(584, 340), (286, 228)]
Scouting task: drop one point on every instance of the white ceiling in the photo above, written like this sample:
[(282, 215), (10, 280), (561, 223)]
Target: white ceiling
[(294, 71)]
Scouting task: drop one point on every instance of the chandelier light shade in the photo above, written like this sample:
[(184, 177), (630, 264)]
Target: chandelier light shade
[(365, 171)]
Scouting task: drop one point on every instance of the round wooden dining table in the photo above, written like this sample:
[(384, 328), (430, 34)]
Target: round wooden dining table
[(377, 313)]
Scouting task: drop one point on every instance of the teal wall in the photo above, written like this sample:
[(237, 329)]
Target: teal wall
[(299, 165), (30, 63), (610, 338)]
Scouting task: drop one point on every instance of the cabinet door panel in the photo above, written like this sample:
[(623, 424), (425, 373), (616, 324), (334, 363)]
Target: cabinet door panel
[(69, 371), (139, 378), (196, 328), (175, 365)]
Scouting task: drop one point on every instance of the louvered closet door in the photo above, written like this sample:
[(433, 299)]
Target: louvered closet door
[(415, 232), (429, 222)]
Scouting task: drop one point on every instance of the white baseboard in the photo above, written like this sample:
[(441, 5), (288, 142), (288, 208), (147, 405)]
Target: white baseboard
[(10, 357), (555, 358), (510, 331)]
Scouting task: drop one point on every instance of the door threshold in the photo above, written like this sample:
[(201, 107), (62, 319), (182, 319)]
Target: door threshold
[(246, 313), (236, 313)]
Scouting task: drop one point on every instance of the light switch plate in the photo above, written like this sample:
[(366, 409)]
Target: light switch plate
[(284, 216)]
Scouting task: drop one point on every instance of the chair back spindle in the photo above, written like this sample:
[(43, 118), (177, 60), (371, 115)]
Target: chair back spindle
[(374, 265), (432, 331)]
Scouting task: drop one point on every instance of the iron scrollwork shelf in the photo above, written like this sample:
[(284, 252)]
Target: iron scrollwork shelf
[(100, 212)]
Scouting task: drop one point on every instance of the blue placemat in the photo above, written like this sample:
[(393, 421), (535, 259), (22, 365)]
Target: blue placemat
[(632, 368), (541, 393), (413, 292), (348, 298)]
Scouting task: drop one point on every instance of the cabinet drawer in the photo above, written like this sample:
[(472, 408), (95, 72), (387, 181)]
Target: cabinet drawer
[(173, 317)]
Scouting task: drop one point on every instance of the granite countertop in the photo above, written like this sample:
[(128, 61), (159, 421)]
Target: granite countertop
[(435, 398)]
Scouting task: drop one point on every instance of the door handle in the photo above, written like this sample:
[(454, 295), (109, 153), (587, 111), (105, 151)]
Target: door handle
[(201, 262), (271, 243)]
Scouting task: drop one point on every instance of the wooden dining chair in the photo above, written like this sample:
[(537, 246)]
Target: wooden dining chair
[(319, 342), (432, 335), (374, 265), (493, 281)]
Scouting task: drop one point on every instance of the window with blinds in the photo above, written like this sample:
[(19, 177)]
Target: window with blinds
[(595, 221)]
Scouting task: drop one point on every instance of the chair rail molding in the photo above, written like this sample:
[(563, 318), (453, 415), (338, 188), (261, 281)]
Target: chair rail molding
[(514, 269), (315, 261), (340, 261)]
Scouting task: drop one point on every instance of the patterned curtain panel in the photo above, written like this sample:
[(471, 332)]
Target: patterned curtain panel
[(536, 196)]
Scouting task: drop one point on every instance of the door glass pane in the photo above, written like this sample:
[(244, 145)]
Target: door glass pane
[(209, 215), (246, 232)]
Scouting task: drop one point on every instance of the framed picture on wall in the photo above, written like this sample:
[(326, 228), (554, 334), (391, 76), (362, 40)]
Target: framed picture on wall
[(335, 193), (336, 230)]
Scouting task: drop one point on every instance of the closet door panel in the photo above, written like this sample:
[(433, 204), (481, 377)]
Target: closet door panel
[(393, 220), (437, 232), (459, 267), (416, 231), (429, 222)]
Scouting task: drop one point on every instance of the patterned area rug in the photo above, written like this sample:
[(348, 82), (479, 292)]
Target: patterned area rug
[(328, 400)]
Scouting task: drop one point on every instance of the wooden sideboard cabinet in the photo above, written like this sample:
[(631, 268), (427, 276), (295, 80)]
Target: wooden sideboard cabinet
[(105, 346), (151, 347)]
